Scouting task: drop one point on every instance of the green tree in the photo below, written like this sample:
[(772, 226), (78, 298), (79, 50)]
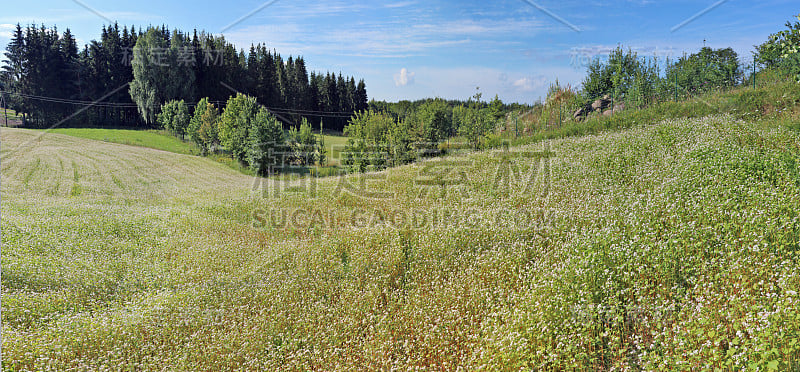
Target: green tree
[(615, 76), (235, 123), (162, 71), (782, 50), (474, 124), (496, 109), (705, 70), (377, 140), (265, 145), (174, 117), (433, 122), (303, 144), (203, 126)]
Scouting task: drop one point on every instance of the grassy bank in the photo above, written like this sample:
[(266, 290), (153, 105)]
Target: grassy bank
[(773, 96), (668, 245)]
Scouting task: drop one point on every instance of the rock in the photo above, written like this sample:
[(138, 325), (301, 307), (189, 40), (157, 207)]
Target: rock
[(601, 104), (608, 112)]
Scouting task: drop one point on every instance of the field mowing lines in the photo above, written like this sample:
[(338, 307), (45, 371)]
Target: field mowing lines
[(31, 172)]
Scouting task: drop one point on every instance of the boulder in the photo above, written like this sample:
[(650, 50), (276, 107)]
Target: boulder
[(601, 104)]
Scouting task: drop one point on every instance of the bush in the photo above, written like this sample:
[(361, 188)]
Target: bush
[(474, 124), (202, 128), (377, 141), (174, 117), (432, 122), (303, 145)]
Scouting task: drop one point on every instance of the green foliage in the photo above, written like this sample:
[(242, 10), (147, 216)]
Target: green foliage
[(266, 147), (303, 145), (474, 124), (432, 122), (165, 66), (160, 71), (782, 50), (376, 140), (203, 127), (496, 110), (627, 78), (706, 70), (619, 74), (174, 117), (235, 123)]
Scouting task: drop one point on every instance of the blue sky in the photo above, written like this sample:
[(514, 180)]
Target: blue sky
[(409, 49)]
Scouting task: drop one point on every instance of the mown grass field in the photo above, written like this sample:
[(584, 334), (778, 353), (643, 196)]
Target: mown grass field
[(154, 139), (161, 140), (665, 246)]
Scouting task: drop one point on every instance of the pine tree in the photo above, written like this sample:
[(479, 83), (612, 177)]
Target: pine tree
[(362, 103), (13, 69)]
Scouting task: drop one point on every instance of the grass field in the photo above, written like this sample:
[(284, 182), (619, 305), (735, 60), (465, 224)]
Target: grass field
[(11, 113), (161, 140), (145, 138), (335, 144), (664, 246)]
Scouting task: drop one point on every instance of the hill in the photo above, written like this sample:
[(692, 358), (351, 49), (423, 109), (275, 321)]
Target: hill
[(670, 245)]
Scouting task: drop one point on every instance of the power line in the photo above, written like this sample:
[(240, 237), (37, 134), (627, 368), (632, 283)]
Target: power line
[(315, 113)]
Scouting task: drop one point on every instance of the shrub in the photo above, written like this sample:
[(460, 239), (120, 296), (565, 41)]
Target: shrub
[(174, 117), (376, 141), (474, 124), (302, 144), (202, 128)]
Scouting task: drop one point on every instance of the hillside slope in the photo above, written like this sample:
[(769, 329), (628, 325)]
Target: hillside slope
[(666, 246)]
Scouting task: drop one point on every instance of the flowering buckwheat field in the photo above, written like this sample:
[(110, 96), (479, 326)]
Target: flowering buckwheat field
[(671, 246)]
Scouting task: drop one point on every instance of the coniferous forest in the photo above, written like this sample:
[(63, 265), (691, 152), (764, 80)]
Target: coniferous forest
[(49, 79)]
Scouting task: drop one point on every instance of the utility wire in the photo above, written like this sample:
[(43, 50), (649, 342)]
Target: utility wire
[(315, 113)]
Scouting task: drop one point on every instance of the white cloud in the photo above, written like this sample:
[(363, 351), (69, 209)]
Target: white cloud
[(401, 4), (404, 78), (530, 84), (6, 30)]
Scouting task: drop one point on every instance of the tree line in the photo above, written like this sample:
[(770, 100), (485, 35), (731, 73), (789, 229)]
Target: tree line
[(640, 81), (51, 80), (392, 134), (247, 131)]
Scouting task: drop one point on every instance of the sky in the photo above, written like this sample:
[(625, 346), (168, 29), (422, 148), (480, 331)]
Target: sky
[(412, 49)]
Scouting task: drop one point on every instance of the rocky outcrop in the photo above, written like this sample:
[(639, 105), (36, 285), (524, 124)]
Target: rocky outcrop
[(601, 105)]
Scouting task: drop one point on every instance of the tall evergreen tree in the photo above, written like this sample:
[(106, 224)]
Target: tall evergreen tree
[(13, 68)]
